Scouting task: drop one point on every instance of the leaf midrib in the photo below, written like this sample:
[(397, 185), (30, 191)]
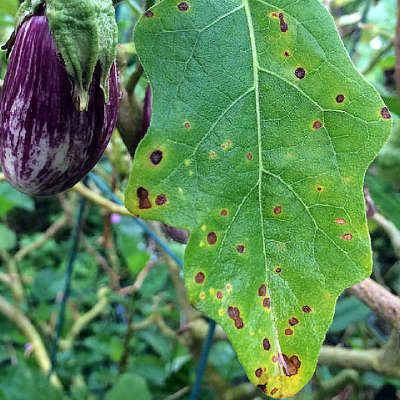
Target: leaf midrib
[(261, 168)]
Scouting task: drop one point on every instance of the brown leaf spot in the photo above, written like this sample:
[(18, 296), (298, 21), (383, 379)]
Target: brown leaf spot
[(200, 277), (234, 314), (273, 391), (290, 365), (289, 332), (293, 321), (249, 156), (278, 270), (267, 302), (239, 324), (320, 189), (347, 236), (340, 221), (149, 14), (340, 98), (263, 388), (240, 248), (156, 157), (386, 113), (143, 195), (283, 25), (212, 238), (306, 309), (286, 54), (187, 125), (317, 125), (278, 210), (296, 362), (274, 358), (259, 372), (266, 344), (161, 199), (212, 154), (262, 290), (219, 295), (183, 6), (300, 73), (224, 212)]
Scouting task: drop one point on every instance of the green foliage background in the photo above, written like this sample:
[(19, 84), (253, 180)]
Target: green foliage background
[(159, 365)]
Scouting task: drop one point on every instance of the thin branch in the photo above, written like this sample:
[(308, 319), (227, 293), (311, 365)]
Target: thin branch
[(338, 382), (390, 229), (361, 360), (86, 319), (378, 57), (150, 320), (8, 279), (16, 285), (378, 299), (26, 327), (93, 197), (50, 232), (180, 393), (139, 280), (189, 312)]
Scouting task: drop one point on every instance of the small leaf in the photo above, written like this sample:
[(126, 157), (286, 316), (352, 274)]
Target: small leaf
[(22, 380), (8, 239), (130, 385), (11, 198), (261, 134), (48, 283)]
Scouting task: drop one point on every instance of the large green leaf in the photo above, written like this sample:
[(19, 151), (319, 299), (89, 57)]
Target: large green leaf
[(261, 134)]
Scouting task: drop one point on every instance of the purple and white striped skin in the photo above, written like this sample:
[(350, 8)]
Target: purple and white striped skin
[(46, 145)]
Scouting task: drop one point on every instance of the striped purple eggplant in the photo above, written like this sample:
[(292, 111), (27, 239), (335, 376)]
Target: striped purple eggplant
[(46, 144)]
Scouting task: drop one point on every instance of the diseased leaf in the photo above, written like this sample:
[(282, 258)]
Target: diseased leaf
[(261, 135)]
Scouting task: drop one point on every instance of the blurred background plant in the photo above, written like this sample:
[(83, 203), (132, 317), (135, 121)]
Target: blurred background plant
[(128, 329)]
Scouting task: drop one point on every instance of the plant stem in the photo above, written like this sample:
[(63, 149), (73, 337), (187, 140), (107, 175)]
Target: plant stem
[(24, 324)]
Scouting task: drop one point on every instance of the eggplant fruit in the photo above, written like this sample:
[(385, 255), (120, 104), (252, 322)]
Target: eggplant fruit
[(46, 144)]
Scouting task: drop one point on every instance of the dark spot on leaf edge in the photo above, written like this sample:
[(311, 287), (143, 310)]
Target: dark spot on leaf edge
[(143, 195)]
